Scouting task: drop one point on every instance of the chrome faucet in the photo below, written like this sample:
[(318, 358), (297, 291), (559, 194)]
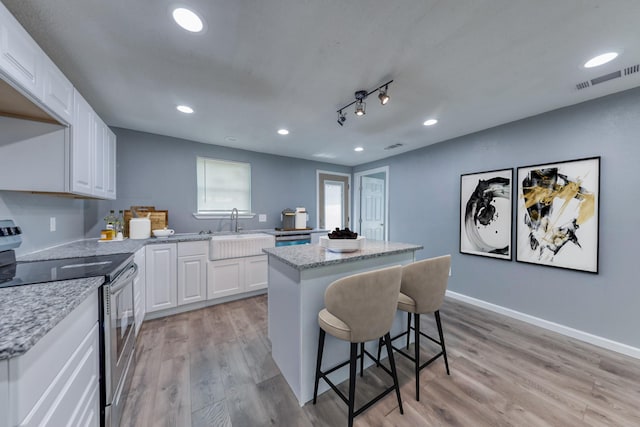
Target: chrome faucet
[(234, 218)]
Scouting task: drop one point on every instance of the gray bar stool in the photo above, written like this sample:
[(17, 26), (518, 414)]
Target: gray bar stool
[(424, 284), (360, 308)]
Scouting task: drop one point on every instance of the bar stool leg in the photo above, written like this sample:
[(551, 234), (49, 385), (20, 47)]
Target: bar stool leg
[(318, 363), (392, 362), (353, 361), (416, 353), (408, 328), (361, 359), (444, 350)]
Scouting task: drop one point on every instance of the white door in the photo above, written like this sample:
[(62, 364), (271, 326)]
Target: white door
[(333, 200), (372, 208)]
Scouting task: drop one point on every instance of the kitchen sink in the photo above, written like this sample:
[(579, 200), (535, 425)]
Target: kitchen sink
[(239, 245)]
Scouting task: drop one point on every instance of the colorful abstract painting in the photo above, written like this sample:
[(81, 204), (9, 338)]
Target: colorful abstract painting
[(486, 208), (558, 214)]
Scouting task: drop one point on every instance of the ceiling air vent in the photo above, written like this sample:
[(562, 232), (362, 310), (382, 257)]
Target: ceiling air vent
[(583, 85), (606, 77), (632, 69), (391, 147)]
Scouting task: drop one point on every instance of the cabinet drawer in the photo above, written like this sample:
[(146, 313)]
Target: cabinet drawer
[(193, 248)]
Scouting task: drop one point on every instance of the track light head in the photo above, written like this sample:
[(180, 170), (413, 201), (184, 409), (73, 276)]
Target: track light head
[(341, 118), (360, 108), (382, 96)]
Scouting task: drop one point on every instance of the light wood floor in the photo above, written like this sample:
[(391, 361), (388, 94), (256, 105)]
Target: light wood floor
[(212, 367)]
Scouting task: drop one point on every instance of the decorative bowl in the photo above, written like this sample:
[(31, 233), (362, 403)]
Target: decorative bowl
[(342, 245), (166, 232)]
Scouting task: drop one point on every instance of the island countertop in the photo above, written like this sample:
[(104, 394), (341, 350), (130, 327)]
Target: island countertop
[(303, 257)]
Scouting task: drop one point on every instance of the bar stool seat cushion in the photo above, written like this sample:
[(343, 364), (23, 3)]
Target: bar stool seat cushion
[(334, 326), (406, 303)]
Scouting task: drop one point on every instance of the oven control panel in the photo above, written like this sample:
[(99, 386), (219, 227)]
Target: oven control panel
[(10, 235)]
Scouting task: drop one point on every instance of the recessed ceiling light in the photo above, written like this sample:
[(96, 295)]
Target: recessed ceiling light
[(283, 131), (430, 122), (188, 19), (184, 109), (600, 59), (358, 149)]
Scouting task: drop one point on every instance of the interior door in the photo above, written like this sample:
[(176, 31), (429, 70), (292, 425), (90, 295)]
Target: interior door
[(372, 207), (333, 201)]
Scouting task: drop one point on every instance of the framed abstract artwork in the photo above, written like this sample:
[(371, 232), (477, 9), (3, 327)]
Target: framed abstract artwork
[(486, 211), (557, 218)]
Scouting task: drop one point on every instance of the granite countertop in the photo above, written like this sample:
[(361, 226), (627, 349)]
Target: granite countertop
[(28, 312), (303, 257), (90, 247)]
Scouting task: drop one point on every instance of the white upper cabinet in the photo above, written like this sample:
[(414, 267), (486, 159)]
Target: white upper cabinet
[(78, 154), (93, 153), (58, 91), (20, 55), (110, 165), (82, 147), (100, 157)]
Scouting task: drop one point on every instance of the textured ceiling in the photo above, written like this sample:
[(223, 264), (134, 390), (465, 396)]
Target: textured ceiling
[(260, 66)]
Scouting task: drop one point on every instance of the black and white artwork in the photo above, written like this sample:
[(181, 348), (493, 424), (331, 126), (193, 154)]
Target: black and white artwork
[(485, 213), (558, 214)]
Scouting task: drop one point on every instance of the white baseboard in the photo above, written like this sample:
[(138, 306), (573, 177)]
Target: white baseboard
[(555, 327)]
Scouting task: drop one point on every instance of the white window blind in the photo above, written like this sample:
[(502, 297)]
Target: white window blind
[(222, 186)]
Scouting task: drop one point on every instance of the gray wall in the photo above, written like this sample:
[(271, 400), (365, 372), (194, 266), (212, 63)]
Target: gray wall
[(161, 171), (32, 213), (606, 304)]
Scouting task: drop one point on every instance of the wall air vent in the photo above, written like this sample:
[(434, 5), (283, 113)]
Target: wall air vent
[(583, 85), (391, 147), (632, 69)]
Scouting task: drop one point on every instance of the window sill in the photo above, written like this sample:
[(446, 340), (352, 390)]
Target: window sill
[(224, 215)]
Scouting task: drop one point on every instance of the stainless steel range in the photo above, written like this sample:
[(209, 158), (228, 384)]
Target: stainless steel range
[(117, 336)]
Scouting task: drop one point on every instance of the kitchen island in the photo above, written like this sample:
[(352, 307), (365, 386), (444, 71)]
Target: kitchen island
[(298, 278)]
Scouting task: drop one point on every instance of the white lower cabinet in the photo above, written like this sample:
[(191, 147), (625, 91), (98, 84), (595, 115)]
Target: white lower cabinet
[(236, 275), (192, 272), (63, 387), (161, 276), (139, 294)]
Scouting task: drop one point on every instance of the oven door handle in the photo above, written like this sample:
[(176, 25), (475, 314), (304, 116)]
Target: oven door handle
[(123, 279)]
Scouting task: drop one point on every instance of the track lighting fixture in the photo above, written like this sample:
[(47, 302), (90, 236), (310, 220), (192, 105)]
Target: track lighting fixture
[(361, 106), (382, 96)]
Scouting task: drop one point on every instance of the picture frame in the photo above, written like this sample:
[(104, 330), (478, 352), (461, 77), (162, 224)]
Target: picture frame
[(558, 214), (486, 212)]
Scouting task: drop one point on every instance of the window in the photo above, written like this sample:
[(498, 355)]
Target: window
[(222, 186)]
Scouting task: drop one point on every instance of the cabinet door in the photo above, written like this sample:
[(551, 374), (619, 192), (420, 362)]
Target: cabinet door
[(192, 279), (82, 144), (20, 56), (162, 279), (110, 164), (58, 91), (256, 271), (139, 284), (100, 157), (226, 277)]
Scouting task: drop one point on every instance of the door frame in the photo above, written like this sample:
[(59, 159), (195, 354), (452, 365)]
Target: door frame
[(357, 178), (347, 190)]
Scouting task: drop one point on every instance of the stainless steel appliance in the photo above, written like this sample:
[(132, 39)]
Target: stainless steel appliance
[(116, 315), (293, 239), (118, 340)]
